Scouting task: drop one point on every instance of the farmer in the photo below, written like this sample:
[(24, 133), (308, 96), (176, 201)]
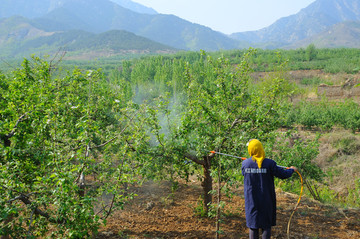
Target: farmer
[(259, 190)]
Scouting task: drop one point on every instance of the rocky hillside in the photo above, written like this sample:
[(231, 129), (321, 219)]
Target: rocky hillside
[(344, 34), (312, 20)]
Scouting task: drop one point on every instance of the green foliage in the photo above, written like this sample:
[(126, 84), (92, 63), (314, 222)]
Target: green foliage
[(326, 59), (311, 52), (199, 210), (325, 115), (301, 154), (57, 132), (353, 196)]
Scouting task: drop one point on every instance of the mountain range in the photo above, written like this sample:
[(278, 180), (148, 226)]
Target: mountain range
[(312, 20), (119, 26)]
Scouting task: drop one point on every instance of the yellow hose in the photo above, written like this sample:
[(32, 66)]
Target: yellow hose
[(296, 206)]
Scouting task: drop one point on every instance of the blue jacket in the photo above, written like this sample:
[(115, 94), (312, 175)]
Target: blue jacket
[(259, 191)]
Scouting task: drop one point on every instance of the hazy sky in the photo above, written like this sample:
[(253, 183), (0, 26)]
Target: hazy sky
[(229, 16)]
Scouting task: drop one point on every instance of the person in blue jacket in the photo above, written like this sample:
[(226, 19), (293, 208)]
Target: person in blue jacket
[(259, 190)]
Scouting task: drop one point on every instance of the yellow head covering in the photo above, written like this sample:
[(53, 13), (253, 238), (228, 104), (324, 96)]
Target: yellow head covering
[(257, 152)]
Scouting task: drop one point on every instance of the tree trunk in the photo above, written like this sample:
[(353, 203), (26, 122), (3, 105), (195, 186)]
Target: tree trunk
[(207, 184), (81, 185)]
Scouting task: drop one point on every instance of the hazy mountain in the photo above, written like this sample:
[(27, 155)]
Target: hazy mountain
[(136, 7), (99, 16), (103, 15), (38, 8), (344, 34), (174, 31), (311, 20), (28, 8)]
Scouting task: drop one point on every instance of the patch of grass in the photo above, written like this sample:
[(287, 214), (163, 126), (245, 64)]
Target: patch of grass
[(199, 209), (353, 195), (348, 145), (333, 172), (313, 81)]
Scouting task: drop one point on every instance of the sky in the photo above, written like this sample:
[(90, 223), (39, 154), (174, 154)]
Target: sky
[(229, 16)]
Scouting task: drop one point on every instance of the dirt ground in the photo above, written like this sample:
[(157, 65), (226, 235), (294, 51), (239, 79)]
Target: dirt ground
[(156, 213)]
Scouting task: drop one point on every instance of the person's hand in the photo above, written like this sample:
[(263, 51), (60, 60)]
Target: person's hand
[(293, 167)]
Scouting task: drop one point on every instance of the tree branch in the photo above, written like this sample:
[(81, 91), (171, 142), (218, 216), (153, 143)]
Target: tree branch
[(37, 211), (6, 137), (109, 141), (235, 122), (194, 158), (51, 65)]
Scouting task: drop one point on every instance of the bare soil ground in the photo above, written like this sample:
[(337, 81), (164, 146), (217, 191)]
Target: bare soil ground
[(155, 213)]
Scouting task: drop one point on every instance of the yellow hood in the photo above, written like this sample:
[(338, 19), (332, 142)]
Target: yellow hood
[(256, 151)]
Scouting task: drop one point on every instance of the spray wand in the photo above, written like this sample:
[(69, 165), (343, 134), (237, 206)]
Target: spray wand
[(214, 152), (301, 191)]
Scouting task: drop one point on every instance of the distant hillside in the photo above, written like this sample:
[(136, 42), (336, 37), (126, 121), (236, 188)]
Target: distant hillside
[(18, 38), (315, 18), (344, 34), (115, 40), (176, 32), (17, 29)]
